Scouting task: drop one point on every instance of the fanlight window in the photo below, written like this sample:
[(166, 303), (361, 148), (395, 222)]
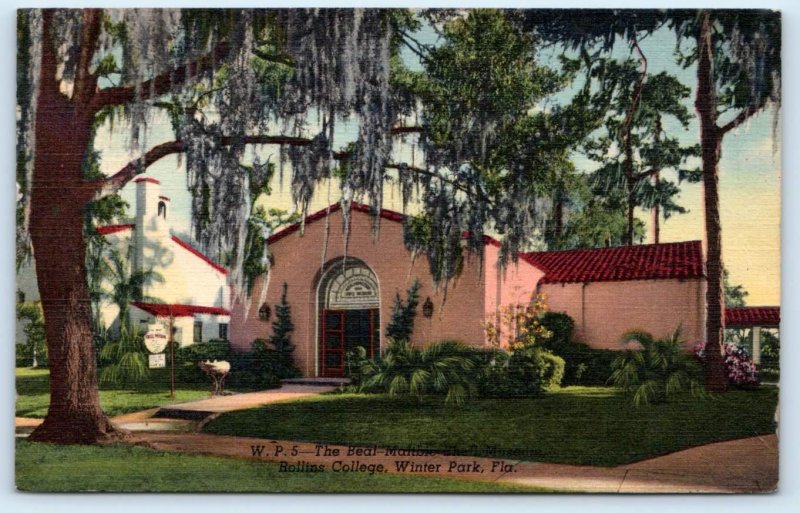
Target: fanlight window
[(355, 288)]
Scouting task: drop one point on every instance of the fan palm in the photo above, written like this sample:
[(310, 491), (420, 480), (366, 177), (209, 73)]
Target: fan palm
[(446, 367), (127, 354), (656, 371), (126, 285)]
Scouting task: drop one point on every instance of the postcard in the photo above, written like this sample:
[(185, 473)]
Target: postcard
[(398, 250)]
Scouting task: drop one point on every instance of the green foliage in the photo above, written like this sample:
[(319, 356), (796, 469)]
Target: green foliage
[(34, 352), (526, 372), (263, 367), (188, 357), (657, 371), (555, 366), (585, 365), (560, 325), (401, 325), (282, 326), (575, 426), (126, 357), (734, 294), (261, 223), (448, 368), (126, 284)]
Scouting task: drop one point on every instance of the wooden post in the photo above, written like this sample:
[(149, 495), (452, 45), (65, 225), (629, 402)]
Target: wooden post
[(171, 358), (757, 345)]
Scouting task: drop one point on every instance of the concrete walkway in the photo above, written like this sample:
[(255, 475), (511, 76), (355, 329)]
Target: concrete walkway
[(746, 465), (174, 416), (225, 403)]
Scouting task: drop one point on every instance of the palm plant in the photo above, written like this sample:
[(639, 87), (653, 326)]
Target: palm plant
[(656, 371), (127, 354), (446, 367), (126, 285)]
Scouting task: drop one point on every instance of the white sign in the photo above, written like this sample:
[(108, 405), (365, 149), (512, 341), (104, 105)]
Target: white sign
[(157, 361), (155, 340)]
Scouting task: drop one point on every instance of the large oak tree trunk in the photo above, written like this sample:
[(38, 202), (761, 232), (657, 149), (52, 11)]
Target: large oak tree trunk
[(58, 197), (711, 148)]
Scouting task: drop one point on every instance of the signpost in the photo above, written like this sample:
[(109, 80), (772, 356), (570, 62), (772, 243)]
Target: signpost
[(156, 340)]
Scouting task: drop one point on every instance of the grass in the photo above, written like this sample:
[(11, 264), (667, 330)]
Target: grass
[(52, 468), (33, 393), (575, 425)]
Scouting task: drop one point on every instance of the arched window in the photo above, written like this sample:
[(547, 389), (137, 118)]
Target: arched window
[(162, 209)]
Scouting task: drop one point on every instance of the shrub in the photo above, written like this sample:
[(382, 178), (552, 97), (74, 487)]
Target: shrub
[(401, 324), (524, 373), (446, 367), (657, 370), (739, 366), (561, 326), (266, 367), (555, 370), (282, 327), (585, 365), (356, 364), (186, 359), (519, 325)]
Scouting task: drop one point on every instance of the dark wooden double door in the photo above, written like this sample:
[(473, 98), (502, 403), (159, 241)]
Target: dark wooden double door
[(342, 331)]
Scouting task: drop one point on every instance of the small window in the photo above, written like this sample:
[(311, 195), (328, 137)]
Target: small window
[(198, 331), (223, 331), (162, 209)]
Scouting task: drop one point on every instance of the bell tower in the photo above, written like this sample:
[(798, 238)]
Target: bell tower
[(151, 221)]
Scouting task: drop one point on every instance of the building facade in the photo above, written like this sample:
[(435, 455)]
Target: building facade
[(191, 291), (342, 288)]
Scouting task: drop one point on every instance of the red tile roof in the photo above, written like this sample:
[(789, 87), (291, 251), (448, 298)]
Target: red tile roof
[(113, 228), (188, 247), (753, 316), (164, 310), (675, 260), (321, 214), (146, 179)]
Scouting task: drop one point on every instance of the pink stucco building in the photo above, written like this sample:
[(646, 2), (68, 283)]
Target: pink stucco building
[(342, 291)]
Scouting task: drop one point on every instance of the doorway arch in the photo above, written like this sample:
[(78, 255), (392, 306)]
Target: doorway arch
[(348, 306)]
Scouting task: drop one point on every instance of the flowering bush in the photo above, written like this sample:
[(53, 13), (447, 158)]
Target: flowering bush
[(739, 365), (519, 325)]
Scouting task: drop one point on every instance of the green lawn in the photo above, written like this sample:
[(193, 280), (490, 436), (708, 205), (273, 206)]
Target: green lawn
[(33, 393), (575, 425), (52, 468)]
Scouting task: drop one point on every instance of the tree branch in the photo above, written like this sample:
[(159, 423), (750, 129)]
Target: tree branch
[(158, 85), (743, 116), (118, 180), (85, 81), (441, 178)]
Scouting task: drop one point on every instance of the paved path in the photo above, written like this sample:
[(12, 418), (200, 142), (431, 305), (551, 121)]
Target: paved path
[(144, 420), (747, 465), (225, 403)]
